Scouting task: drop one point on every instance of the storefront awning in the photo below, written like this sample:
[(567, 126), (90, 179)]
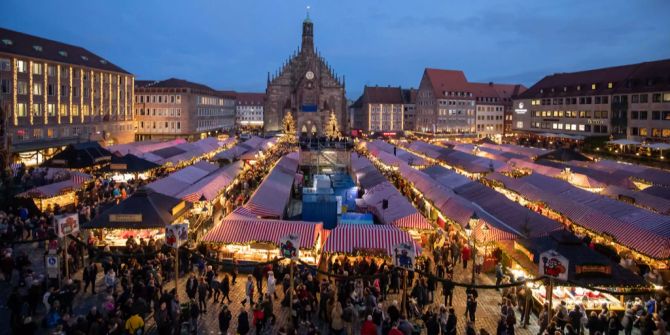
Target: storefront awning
[(351, 238), (245, 231)]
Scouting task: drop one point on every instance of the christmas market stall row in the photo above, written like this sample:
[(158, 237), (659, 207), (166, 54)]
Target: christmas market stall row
[(60, 193), (144, 215)]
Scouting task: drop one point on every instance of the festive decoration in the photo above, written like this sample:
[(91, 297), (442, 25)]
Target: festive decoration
[(288, 124), (332, 129)]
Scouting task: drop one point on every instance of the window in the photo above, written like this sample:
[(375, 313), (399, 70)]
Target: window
[(21, 66), (635, 98), (656, 115), (605, 100), (594, 86), (37, 88), (666, 97), (51, 109), (634, 115), (644, 98), (643, 115), (37, 109), (610, 85), (666, 115), (634, 131), (5, 65), (75, 110), (644, 132), (4, 86), (597, 100), (50, 90), (37, 68), (655, 132), (656, 97), (22, 87), (50, 133), (63, 110), (21, 109)]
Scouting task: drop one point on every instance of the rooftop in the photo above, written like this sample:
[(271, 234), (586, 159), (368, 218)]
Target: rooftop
[(21, 44)]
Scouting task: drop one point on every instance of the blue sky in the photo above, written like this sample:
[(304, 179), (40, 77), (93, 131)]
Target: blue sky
[(233, 44)]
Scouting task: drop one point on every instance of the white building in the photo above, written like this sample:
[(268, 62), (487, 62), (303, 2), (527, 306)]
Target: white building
[(249, 109)]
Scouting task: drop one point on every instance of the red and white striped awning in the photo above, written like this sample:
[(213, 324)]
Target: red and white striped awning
[(413, 221), (258, 230), (349, 238)]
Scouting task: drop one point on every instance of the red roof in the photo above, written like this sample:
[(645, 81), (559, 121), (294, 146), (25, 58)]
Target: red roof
[(383, 95), (250, 230), (447, 80), (250, 99)]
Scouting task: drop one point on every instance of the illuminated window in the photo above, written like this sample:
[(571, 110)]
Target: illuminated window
[(37, 68), (7, 41), (610, 85), (37, 88), (666, 132), (21, 109), (22, 87), (21, 66), (51, 109), (37, 48), (644, 132), (62, 53), (666, 97), (579, 87), (593, 86)]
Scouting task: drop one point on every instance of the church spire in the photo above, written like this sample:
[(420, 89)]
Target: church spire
[(307, 34)]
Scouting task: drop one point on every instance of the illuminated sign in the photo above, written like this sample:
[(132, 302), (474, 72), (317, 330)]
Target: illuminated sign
[(125, 217), (521, 109)]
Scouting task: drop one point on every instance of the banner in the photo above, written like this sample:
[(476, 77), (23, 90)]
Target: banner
[(289, 246), (553, 265), (404, 256), (67, 224), (176, 235)]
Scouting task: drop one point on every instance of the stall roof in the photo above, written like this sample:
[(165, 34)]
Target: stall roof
[(129, 163), (625, 223), (242, 231), (349, 238), (144, 209), (178, 181), (658, 204), (272, 196), (57, 188), (80, 155), (214, 183), (446, 177), (140, 148), (564, 155)]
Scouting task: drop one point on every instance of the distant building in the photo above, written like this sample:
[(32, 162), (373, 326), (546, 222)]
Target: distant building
[(249, 109), (489, 111), (379, 109), (176, 108), (409, 108), (307, 87), (629, 101), (54, 94), (445, 103), (506, 94)]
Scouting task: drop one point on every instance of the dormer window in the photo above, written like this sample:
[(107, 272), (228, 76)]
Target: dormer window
[(103, 61), (62, 53), (541, 90), (565, 88), (7, 41), (37, 48), (579, 87), (84, 57), (594, 86), (610, 85)]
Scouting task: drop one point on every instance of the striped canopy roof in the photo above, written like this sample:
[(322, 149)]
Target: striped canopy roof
[(243, 231), (349, 238)]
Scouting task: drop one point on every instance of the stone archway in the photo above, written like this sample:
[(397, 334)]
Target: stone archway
[(310, 126)]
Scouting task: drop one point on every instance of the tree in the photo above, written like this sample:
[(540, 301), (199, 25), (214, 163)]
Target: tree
[(332, 130), (288, 124)]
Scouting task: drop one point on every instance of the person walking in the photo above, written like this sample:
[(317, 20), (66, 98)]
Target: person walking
[(471, 307), (89, 277), (465, 255), (452, 322), (225, 289), (203, 291), (272, 285), (249, 291), (243, 322)]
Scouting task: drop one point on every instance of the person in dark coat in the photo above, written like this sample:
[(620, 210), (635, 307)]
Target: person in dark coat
[(191, 287), (89, 276), (243, 322), (224, 319), (225, 289), (451, 322)]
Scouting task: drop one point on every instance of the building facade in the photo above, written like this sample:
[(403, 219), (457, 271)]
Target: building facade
[(54, 94), (306, 87), (445, 103), (249, 109), (409, 108), (176, 108), (489, 111), (630, 101), (379, 109)]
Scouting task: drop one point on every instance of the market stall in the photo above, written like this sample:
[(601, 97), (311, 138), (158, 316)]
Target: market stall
[(129, 166), (143, 215), (249, 239), (359, 240), (84, 155), (272, 196), (587, 272), (61, 193)]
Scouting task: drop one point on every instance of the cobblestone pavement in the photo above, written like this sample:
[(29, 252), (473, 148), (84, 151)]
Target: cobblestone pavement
[(487, 311)]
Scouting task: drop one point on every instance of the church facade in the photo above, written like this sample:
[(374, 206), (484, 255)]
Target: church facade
[(308, 88)]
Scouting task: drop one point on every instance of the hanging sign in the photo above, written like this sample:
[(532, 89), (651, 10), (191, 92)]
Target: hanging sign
[(52, 265), (554, 265), (289, 246), (176, 235), (404, 256), (67, 224)]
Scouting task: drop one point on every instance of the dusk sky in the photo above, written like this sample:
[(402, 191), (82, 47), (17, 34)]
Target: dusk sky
[(233, 44)]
